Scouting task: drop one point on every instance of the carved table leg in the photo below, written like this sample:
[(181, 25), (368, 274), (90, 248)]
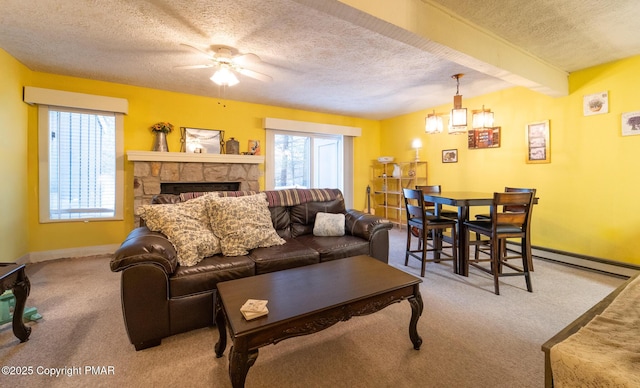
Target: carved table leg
[(416, 312), (13, 277), (221, 345), (240, 360), (21, 291)]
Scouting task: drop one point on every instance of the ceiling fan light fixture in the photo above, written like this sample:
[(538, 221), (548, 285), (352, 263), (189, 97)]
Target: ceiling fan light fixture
[(224, 77)]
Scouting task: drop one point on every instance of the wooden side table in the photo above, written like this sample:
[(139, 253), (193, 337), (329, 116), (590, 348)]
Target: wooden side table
[(13, 277)]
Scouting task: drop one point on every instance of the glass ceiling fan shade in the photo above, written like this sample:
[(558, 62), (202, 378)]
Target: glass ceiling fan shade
[(224, 77)]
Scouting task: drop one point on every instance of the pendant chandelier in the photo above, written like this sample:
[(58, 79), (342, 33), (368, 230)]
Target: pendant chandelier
[(458, 116)]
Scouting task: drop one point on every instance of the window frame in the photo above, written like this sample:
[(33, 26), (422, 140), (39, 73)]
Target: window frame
[(313, 157), (348, 135), (43, 164)]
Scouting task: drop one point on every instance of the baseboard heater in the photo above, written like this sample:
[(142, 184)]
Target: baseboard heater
[(611, 267)]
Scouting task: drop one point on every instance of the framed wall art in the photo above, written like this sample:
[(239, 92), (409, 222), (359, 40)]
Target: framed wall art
[(202, 141), (254, 147), (484, 137), (450, 156), (595, 104), (631, 123), (537, 139)]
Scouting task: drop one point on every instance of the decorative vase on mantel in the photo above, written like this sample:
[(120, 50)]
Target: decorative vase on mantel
[(160, 130), (160, 142)]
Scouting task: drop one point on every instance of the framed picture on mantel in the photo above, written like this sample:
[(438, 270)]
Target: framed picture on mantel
[(202, 141)]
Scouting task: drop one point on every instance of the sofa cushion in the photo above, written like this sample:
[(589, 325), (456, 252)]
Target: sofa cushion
[(281, 220), (329, 224), (204, 276), (290, 255), (303, 216), (242, 223), (332, 248), (186, 225)]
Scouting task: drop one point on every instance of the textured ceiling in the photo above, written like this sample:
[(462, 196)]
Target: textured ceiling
[(323, 55), (570, 34)]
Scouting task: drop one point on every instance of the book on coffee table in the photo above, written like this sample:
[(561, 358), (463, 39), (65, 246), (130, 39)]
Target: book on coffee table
[(254, 308)]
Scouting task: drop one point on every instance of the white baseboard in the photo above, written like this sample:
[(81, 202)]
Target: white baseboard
[(592, 263), (36, 257)]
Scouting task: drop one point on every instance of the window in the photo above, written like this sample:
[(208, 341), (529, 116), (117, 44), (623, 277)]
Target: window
[(311, 155), (304, 160), (80, 164)]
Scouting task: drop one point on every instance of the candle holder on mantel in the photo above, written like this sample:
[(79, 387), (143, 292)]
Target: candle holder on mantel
[(232, 147)]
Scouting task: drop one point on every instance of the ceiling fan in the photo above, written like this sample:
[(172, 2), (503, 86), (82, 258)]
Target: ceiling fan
[(227, 62)]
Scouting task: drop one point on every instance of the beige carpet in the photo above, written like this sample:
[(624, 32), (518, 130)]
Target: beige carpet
[(472, 338)]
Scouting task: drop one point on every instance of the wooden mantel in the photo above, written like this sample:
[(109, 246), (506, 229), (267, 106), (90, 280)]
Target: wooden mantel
[(183, 157)]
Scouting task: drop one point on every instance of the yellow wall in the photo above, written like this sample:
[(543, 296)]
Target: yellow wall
[(588, 193), (148, 106), (14, 240)]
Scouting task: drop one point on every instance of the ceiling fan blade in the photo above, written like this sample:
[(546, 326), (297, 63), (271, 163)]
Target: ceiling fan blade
[(207, 54), (195, 66), (245, 59), (255, 74)]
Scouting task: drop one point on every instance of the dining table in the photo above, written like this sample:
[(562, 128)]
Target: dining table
[(463, 200)]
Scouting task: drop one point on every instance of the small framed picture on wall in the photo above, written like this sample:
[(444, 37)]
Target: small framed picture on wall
[(631, 123), (450, 156), (595, 104)]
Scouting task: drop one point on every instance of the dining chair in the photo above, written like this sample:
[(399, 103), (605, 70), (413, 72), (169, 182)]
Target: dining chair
[(431, 209), (481, 246), (431, 206), (500, 226), (426, 223)]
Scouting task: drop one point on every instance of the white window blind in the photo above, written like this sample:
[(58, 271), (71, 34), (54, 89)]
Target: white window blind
[(80, 177)]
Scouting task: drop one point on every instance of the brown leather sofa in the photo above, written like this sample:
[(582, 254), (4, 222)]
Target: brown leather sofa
[(160, 298)]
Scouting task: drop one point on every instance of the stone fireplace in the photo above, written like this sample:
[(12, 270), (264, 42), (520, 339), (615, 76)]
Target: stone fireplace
[(152, 169)]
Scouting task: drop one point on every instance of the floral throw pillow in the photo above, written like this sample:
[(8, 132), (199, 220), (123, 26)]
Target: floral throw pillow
[(329, 224), (242, 223), (186, 225)]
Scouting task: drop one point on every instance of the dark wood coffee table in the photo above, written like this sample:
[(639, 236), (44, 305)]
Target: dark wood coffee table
[(306, 300), (13, 277)]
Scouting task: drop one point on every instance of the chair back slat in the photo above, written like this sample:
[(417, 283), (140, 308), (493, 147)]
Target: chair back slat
[(521, 202), (514, 208), (511, 218)]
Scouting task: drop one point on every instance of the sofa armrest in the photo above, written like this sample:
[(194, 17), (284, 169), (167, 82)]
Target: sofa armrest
[(364, 225), (143, 246), (372, 228)]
